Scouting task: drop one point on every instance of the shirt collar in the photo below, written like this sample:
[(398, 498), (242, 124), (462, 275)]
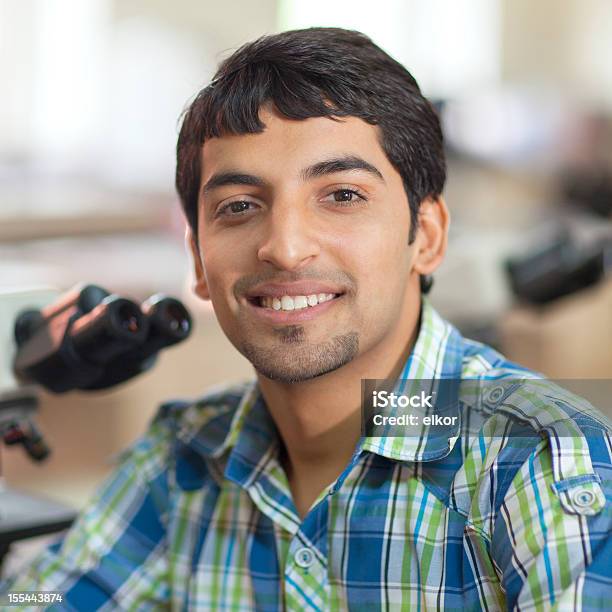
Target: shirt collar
[(242, 426), (435, 362)]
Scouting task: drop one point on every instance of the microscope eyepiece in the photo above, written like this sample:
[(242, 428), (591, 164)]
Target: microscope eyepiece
[(178, 320), (28, 321), (113, 327), (168, 318), (129, 321), (90, 296)]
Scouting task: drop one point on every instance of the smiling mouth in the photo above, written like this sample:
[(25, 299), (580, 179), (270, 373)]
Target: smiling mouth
[(292, 302)]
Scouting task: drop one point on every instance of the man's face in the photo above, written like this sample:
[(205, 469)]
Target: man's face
[(304, 211)]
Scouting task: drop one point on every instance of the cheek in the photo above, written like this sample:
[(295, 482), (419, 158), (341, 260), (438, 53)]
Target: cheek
[(381, 262), (222, 266), (379, 254)]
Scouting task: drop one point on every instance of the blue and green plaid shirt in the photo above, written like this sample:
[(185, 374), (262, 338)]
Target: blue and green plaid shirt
[(199, 515)]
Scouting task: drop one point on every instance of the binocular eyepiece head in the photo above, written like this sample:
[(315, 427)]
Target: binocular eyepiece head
[(90, 339)]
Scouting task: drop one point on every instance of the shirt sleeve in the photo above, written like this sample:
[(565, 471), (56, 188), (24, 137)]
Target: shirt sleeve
[(552, 539), (114, 556)]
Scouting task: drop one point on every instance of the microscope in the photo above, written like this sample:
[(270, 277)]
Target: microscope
[(86, 339)]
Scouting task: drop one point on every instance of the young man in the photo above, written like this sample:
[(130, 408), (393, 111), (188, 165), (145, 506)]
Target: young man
[(310, 171)]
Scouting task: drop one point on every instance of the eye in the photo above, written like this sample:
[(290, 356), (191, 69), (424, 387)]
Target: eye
[(235, 208), (347, 197)]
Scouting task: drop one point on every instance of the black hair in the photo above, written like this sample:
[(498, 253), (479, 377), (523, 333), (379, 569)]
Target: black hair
[(316, 72)]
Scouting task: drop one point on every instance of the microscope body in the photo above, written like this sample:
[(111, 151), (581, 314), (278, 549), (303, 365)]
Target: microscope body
[(85, 339)]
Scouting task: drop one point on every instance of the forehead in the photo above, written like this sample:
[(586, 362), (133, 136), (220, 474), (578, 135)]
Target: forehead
[(288, 145)]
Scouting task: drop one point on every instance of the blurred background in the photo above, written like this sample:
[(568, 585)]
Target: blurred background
[(91, 97)]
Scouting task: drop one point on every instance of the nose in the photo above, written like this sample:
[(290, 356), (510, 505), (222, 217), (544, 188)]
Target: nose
[(290, 239)]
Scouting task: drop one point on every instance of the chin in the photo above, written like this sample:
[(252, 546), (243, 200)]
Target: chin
[(294, 364)]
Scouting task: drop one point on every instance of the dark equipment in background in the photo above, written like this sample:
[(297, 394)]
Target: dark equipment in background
[(558, 268), (88, 339), (590, 190)]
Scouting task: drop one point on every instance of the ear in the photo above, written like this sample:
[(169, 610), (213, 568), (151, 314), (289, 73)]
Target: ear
[(200, 286), (432, 235)]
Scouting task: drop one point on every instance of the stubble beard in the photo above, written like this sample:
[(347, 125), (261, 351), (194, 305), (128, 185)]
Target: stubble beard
[(296, 360)]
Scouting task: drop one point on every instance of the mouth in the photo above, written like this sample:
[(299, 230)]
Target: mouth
[(287, 303), (292, 308)]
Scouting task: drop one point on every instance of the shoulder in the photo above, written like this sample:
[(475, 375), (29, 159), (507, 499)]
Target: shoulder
[(188, 416), (517, 424), (516, 413), (542, 460), (523, 436), (573, 435), (185, 432)]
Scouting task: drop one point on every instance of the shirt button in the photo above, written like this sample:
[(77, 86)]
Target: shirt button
[(304, 557), (494, 395), (583, 498)]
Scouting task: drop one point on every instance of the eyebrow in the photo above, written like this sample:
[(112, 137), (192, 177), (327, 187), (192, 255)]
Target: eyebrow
[(328, 166), (232, 178), (340, 164)]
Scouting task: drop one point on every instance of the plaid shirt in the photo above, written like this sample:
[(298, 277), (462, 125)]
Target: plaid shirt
[(199, 514)]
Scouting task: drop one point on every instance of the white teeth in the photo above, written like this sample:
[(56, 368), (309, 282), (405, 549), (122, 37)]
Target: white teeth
[(295, 302), (287, 303)]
